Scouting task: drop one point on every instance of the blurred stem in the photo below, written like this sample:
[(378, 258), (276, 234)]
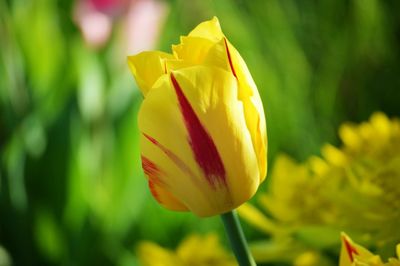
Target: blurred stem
[(237, 239)]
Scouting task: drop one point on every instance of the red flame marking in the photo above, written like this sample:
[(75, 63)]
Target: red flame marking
[(351, 250), (153, 172), (202, 145), (229, 58), (172, 156), (153, 191)]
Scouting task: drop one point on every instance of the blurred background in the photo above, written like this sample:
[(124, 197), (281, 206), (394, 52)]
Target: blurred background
[(72, 191)]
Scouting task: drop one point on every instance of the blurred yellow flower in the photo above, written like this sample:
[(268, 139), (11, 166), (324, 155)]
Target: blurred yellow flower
[(359, 181), (355, 188), (202, 121), (353, 254), (195, 250)]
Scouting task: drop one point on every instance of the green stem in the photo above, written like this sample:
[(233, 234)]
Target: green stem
[(237, 239)]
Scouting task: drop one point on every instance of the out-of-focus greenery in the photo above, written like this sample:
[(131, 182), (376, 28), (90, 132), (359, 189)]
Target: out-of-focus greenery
[(71, 188)]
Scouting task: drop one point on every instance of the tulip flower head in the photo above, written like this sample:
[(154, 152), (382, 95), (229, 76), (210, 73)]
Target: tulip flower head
[(203, 130)]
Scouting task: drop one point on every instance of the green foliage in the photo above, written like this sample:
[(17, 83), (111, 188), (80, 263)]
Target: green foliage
[(71, 187)]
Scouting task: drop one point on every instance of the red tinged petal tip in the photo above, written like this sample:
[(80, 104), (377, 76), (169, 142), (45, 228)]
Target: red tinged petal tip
[(153, 172), (149, 168), (203, 147), (351, 250), (229, 58), (153, 191)]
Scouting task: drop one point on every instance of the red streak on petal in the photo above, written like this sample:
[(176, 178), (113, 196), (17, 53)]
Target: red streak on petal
[(172, 156), (350, 249), (203, 147), (152, 140), (149, 168), (229, 58), (153, 191), (153, 172), (165, 67)]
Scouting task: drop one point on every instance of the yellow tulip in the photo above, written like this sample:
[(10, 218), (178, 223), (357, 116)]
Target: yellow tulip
[(203, 130)]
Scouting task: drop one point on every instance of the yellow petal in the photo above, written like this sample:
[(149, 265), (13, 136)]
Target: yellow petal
[(151, 254), (253, 108), (284, 187), (160, 118), (309, 258), (147, 67), (210, 30), (225, 56), (204, 250), (155, 176), (333, 155), (398, 250), (255, 122), (212, 94), (318, 165), (175, 64), (256, 218), (165, 198), (192, 50), (351, 251), (350, 137), (381, 123)]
